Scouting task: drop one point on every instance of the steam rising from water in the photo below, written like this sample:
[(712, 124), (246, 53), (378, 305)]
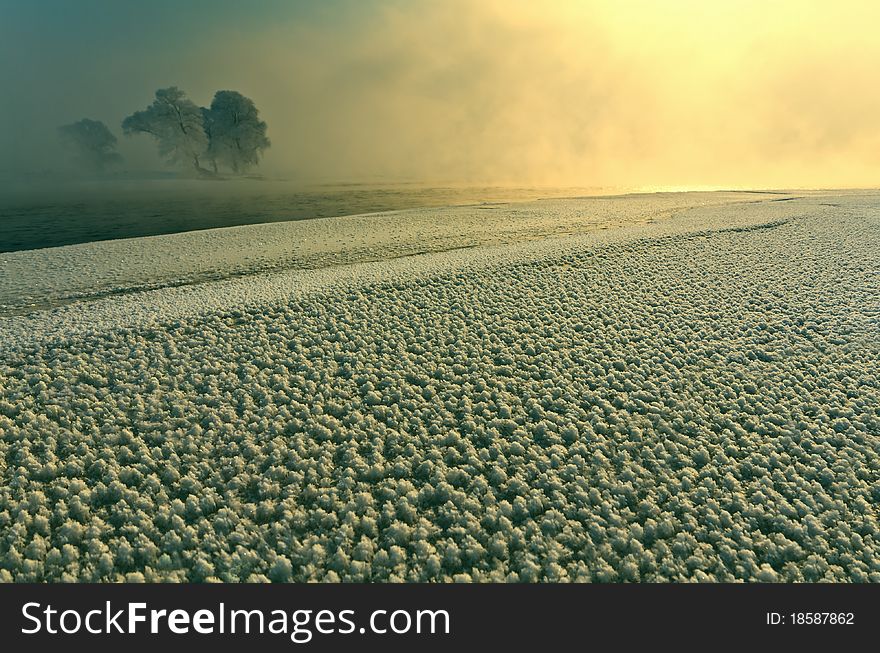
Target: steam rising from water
[(684, 93)]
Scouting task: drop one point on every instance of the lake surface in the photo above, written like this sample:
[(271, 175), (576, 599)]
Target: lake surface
[(66, 214)]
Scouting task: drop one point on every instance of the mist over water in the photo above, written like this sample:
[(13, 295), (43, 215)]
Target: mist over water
[(463, 101), (33, 217), (686, 93)]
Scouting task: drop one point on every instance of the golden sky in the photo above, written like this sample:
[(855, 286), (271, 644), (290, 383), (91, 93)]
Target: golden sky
[(676, 93)]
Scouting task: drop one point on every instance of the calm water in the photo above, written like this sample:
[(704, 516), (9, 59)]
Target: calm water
[(66, 214)]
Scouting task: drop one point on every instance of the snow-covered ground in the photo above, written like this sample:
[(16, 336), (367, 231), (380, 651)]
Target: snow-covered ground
[(44, 278), (688, 394)]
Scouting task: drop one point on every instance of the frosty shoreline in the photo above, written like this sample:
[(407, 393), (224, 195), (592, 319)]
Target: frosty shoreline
[(693, 398), (97, 286), (30, 280)]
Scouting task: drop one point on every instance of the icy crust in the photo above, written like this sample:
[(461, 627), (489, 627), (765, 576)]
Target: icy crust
[(37, 279), (138, 309), (694, 406)]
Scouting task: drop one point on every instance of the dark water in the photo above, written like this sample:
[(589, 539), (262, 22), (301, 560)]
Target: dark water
[(32, 218)]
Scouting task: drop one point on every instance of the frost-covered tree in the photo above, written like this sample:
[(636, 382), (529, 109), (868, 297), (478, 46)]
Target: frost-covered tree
[(207, 125), (92, 144), (176, 123), (236, 133)]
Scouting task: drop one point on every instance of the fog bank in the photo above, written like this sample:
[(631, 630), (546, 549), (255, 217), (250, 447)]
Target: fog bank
[(683, 94)]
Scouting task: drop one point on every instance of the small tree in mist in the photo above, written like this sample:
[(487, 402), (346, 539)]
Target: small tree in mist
[(236, 134), (91, 143), (176, 123)]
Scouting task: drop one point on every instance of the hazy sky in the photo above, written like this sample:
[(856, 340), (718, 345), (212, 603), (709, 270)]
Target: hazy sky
[(677, 93)]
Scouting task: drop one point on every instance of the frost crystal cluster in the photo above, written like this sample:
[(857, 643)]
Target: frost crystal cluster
[(690, 407)]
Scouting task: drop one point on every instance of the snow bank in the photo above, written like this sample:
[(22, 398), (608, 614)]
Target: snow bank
[(38, 279)]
